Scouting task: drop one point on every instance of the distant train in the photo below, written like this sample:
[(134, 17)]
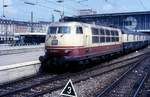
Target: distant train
[(79, 42)]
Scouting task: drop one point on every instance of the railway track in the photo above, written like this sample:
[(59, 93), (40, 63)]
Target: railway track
[(144, 89), (129, 83), (37, 86)]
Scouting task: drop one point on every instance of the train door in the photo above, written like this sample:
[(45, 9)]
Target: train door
[(86, 37)]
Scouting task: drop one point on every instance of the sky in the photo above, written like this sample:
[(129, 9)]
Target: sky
[(44, 9)]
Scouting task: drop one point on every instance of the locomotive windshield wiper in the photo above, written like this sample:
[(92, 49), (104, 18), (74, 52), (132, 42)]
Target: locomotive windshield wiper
[(62, 35), (48, 37)]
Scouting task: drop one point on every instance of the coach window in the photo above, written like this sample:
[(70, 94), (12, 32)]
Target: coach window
[(79, 30)]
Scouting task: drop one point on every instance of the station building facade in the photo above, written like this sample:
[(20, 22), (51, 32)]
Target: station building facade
[(136, 21), (10, 30)]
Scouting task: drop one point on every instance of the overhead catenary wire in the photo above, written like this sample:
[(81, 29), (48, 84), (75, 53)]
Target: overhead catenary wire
[(50, 8), (68, 6), (142, 4), (80, 3)]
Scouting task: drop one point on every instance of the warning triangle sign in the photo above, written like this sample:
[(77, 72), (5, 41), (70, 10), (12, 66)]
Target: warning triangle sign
[(69, 90)]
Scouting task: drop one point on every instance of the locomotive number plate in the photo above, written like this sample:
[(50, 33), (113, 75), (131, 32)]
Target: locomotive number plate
[(54, 42)]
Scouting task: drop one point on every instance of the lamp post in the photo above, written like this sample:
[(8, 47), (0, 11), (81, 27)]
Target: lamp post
[(61, 12), (30, 3), (5, 23), (4, 6)]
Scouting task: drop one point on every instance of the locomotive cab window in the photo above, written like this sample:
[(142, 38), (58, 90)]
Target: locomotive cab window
[(79, 30), (52, 30), (63, 30)]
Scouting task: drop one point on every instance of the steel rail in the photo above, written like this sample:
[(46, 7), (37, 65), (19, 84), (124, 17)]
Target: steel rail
[(110, 87), (140, 86), (50, 90), (37, 75), (63, 76)]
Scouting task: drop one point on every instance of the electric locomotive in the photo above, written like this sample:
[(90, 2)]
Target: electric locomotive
[(78, 42)]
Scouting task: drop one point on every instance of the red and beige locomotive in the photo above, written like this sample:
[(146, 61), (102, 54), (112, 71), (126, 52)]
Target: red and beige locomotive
[(75, 41)]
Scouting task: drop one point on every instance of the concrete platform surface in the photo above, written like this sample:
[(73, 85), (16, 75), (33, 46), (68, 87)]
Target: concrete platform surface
[(8, 47), (20, 57), (17, 71)]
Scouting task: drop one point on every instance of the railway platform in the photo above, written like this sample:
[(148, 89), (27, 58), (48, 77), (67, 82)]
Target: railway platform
[(9, 47), (15, 66)]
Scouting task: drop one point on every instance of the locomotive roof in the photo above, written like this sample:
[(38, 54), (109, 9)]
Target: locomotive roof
[(124, 31), (79, 23)]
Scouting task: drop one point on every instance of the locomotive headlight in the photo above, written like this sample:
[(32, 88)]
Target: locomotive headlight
[(67, 51)]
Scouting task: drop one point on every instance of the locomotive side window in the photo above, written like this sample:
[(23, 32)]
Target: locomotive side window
[(95, 31), (107, 32), (116, 33), (117, 38), (112, 32), (95, 35), (107, 39), (52, 30), (102, 39), (63, 30), (113, 39), (102, 32), (95, 39), (79, 30)]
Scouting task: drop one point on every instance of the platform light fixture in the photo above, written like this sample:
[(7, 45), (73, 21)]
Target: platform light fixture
[(4, 6), (30, 3)]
